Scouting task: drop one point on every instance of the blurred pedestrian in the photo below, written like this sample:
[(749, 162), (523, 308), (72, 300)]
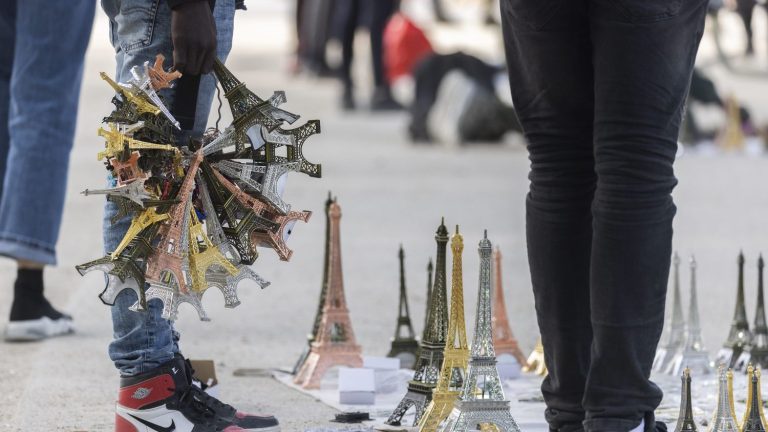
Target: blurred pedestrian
[(745, 9), (42, 46), (352, 14), (599, 88)]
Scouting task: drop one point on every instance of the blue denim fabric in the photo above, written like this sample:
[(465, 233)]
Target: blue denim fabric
[(42, 45), (141, 29)]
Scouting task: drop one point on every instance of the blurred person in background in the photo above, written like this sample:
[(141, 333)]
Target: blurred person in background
[(351, 14), (42, 47), (599, 88), (157, 391)]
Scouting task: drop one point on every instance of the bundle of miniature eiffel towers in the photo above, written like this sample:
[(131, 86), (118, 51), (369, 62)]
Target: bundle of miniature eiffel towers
[(455, 389), (197, 209), (724, 417), (683, 347)]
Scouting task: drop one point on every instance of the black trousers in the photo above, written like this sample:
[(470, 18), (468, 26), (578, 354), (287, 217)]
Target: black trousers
[(599, 87)]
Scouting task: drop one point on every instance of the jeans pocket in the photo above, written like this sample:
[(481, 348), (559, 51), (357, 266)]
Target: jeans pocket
[(135, 23), (647, 11), (532, 13)]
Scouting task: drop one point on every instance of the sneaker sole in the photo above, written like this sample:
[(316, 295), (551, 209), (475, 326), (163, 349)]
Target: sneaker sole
[(39, 329)]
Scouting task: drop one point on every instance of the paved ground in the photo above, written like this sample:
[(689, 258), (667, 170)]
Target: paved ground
[(391, 193)]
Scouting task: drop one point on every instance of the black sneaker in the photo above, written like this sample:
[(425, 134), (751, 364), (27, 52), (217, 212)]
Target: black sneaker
[(227, 413), (34, 319)]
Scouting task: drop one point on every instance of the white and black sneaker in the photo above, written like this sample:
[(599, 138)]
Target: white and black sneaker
[(34, 319), (164, 400)]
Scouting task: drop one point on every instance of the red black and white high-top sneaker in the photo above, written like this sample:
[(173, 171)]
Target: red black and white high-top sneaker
[(164, 400)]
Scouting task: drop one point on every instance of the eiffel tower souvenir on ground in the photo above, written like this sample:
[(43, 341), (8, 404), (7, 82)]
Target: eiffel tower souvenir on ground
[(724, 418), (323, 290), (739, 337), (404, 344), (685, 421), (454, 368), (430, 360), (754, 417), (335, 344), (503, 339), (757, 354), (482, 398), (693, 356), (675, 340), (192, 227), (535, 362)]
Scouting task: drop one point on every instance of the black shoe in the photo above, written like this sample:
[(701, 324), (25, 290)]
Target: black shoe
[(347, 101), (33, 319), (247, 422), (382, 101)]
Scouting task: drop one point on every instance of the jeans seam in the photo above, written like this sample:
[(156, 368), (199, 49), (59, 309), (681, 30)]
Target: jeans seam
[(27, 242)]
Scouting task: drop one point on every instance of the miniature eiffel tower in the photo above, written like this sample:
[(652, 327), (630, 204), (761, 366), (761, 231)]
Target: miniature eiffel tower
[(430, 360), (676, 328), (170, 256), (739, 337), (754, 417), (404, 346), (693, 355), (454, 369), (503, 339), (482, 397), (732, 135), (323, 290), (724, 418), (335, 344), (204, 256), (685, 421), (535, 363), (758, 350), (429, 292)]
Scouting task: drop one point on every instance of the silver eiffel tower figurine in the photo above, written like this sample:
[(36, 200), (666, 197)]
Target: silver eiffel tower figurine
[(754, 417), (693, 355), (739, 337), (757, 354), (482, 404), (724, 418), (676, 329), (685, 421)]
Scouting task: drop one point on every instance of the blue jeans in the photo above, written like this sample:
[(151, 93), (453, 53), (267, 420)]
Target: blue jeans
[(40, 74), (141, 29)]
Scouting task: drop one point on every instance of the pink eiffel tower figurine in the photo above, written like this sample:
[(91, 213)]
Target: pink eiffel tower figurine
[(503, 339), (335, 344)]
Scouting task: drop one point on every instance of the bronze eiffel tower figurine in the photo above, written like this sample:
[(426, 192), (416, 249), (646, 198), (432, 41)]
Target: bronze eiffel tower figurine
[(323, 290), (685, 421), (503, 338), (754, 417), (758, 350), (430, 359), (404, 344), (482, 399), (739, 338), (454, 368), (335, 344)]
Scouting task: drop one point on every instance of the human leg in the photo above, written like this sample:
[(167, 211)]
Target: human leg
[(39, 92), (643, 56), (550, 69)]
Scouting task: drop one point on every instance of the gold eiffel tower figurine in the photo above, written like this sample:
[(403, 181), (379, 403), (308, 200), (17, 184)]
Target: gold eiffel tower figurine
[(454, 368), (535, 363), (203, 255)]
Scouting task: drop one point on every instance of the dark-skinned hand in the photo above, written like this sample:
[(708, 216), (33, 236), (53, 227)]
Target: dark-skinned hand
[(193, 32)]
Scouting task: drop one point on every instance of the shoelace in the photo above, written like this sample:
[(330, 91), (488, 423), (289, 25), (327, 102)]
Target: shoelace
[(196, 408), (212, 403)]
